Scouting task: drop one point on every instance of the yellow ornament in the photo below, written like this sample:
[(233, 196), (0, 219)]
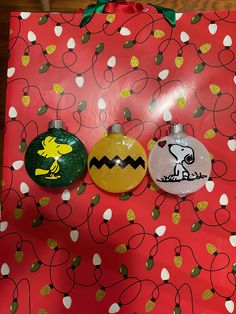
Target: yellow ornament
[(117, 163)]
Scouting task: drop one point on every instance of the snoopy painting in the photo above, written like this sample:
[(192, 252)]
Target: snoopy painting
[(184, 155)]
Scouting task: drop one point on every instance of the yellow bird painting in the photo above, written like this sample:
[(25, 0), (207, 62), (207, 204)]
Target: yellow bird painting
[(52, 149)]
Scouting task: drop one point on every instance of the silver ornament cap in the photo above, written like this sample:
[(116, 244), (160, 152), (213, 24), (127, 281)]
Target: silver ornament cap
[(56, 124), (115, 128)]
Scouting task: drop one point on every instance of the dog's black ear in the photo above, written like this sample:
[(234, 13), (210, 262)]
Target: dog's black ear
[(189, 159)]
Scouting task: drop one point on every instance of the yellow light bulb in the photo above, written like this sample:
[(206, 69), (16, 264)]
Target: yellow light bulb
[(134, 62), (181, 102), (153, 187), (121, 248), (52, 244), (215, 89), (100, 294), (25, 100), (46, 289), (176, 216), (207, 294), (202, 205), (151, 144), (179, 61), (131, 215), (110, 18), (43, 201), (117, 163), (18, 213), (178, 261), (25, 59), (211, 248), (205, 48), (19, 255), (50, 49), (210, 133), (158, 33), (58, 89), (125, 93), (150, 305)]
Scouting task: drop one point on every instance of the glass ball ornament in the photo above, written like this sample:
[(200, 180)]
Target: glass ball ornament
[(55, 158), (179, 164), (117, 163)]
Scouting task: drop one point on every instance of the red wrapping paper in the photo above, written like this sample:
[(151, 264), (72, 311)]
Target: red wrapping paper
[(41, 266)]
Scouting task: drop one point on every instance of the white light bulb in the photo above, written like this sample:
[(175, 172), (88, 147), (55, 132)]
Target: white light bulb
[(227, 42), (224, 200), (24, 188), (65, 195), (101, 104), (71, 43), (17, 164), (111, 62), (31, 36), (58, 30), (232, 144), (107, 214), (232, 240), (3, 226), (12, 112), (97, 259), (165, 275), (212, 27), (114, 308), (11, 71), (167, 116), (74, 235), (67, 301), (229, 304), (160, 230), (79, 81), (178, 16), (5, 270), (210, 185), (25, 15), (184, 37), (124, 31), (163, 74), (234, 78)]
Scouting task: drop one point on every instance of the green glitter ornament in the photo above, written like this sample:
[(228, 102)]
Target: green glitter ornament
[(55, 158)]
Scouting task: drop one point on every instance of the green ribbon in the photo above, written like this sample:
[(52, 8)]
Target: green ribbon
[(169, 14), (88, 13), (91, 9)]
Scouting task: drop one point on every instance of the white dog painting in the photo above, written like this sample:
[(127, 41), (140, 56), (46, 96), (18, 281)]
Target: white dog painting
[(184, 155)]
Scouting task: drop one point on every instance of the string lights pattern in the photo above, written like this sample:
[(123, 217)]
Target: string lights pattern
[(88, 251)]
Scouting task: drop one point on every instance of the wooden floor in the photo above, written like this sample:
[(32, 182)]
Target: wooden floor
[(7, 6)]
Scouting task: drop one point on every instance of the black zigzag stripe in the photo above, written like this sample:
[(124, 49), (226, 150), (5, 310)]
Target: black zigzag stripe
[(117, 161)]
